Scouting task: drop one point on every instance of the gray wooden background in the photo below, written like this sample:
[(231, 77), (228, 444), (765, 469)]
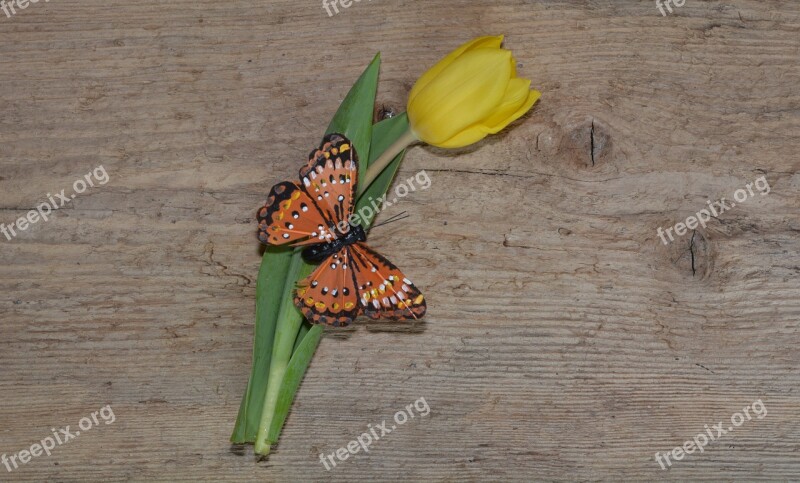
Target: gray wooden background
[(563, 341)]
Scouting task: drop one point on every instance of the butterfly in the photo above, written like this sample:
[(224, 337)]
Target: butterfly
[(316, 213)]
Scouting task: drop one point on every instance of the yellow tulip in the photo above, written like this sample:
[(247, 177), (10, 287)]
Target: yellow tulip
[(471, 93)]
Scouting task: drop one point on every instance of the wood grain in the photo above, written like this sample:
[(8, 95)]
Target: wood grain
[(564, 341)]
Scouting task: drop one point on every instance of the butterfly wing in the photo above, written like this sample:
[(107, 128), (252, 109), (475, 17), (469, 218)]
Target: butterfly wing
[(329, 295), (330, 178), (307, 213), (291, 217), (383, 291)]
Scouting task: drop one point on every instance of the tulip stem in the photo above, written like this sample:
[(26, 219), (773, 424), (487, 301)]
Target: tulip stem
[(376, 168)]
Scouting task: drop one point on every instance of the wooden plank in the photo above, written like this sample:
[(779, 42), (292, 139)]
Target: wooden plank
[(564, 341)]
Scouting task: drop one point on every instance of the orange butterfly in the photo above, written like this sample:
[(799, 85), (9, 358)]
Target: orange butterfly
[(316, 213)]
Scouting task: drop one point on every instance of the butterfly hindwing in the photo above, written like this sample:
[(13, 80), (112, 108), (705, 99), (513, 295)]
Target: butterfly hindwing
[(329, 295), (330, 178), (290, 217), (384, 292)]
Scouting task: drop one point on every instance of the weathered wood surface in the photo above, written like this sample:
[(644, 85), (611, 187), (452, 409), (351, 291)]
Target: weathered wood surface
[(564, 341)]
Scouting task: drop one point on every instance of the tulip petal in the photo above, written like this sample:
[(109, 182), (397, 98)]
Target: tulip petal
[(477, 132), (466, 137), (517, 94), (478, 43), (467, 91), (533, 96)]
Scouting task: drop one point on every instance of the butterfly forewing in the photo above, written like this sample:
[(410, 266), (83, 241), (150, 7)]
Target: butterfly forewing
[(329, 295), (308, 212), (384, 292), (290, 217), (330, 178)]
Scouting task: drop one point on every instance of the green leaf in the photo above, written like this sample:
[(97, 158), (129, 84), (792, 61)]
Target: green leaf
[(354, 117), (354, 120), (295, 372), (289, 322), (384, 134), (269, 294), (303, 331)]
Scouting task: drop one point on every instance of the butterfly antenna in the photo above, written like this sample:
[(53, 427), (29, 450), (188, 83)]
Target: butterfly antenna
[(397, 217)]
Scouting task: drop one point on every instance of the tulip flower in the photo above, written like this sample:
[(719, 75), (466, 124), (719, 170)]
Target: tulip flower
[(471, 93)]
